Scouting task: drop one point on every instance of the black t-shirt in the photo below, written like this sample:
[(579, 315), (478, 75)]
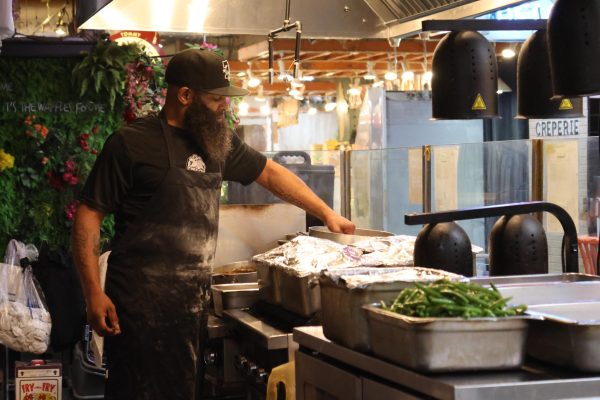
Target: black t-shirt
[(134, 161)]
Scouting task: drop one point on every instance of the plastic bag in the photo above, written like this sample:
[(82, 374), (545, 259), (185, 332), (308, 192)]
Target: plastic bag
[(25, 322)]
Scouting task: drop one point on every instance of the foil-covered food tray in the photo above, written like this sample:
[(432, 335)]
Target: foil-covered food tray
[(447, 344), (344, 292), (289, 274)]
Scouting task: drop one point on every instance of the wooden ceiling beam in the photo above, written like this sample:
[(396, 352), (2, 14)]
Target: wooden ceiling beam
[(334, 46)]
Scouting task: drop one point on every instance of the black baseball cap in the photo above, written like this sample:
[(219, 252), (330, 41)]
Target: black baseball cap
[(202, 70)]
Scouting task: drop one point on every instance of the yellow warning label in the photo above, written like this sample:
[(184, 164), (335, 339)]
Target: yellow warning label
[(479, 104), (565, 104)]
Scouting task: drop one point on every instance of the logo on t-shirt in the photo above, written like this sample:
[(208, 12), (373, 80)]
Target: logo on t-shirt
[(195, 163)]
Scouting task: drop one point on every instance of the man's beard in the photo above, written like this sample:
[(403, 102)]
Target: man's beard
[(208, 131)]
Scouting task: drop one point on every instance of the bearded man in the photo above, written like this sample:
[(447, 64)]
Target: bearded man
[(161, 178)]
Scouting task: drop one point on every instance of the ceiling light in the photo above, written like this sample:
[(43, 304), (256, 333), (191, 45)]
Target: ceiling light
[(253, 82), (296, 84), (308, 78), (311, 110), (408, 75), (294, 92), (508, 53), (241, 74), (243, 108), (391, 75)]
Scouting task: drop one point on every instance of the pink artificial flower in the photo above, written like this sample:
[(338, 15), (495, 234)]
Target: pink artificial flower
[(70, 209), (70, 165)]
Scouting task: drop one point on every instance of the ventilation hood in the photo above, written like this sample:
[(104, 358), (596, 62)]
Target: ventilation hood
[(352, 19), (402, 18), (341, 19)]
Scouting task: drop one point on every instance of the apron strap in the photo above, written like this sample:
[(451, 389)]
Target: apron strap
[(168, 140)]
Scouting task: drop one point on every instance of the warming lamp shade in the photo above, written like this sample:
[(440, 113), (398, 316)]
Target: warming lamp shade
[(465, 77), (534, 84), (574, 44)]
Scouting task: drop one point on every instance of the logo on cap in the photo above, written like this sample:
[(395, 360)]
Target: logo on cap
[(226, 71)]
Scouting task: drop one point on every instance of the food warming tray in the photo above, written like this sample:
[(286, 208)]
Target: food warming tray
[(447, 344), (234, 295), (568, 336), (344, 320)]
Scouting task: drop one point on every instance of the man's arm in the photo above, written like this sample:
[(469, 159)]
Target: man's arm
[(287, 186), (85, 244)]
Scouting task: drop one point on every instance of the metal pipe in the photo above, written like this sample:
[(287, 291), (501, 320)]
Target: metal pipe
[(286, 20), (537, 173), (346, 183), (271, 70), (570, 258), (297, 49), (426, 178)]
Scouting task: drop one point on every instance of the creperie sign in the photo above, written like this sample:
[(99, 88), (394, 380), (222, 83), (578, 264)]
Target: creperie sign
[(561, 127), (558, 128)]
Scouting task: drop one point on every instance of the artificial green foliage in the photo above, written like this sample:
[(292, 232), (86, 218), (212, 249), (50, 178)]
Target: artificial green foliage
[(55, 115), (102, 73)]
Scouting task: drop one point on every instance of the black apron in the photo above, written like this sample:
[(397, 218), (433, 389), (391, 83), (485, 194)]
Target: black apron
[(159, 280)]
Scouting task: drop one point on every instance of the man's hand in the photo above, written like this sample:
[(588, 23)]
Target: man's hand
[(338, 224), (102, 315)]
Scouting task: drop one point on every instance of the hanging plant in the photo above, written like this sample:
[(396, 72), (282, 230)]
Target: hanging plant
[(102, 74)]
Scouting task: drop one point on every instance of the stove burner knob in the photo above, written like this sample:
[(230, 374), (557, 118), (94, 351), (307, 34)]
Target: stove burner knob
[(251, 368), (210, 357), (261, 375), (241, 362)]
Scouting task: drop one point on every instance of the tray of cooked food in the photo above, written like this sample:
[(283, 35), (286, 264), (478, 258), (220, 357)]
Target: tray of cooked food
[(344, 292), (449, 326)]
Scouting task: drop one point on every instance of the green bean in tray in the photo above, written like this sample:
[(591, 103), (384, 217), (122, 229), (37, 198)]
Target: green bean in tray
[(445, 298)]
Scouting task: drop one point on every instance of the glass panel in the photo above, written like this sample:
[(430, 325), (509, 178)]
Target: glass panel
[(572, 181)]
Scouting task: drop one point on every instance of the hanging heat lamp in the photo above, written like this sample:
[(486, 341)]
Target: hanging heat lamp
[(465, 77), (534, 84), (574, 44)]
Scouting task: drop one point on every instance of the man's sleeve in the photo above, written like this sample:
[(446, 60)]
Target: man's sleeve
[(110, 178), (244, 164)]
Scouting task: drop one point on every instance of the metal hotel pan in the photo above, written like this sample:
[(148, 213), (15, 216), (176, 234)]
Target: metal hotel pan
[(447, 344), (568, 336), (269, 283), (299, 294), (344, 320)]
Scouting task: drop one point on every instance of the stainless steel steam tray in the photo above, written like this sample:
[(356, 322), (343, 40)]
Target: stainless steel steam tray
[(234, 295), (568, 335), (344, 292), (447, 344)]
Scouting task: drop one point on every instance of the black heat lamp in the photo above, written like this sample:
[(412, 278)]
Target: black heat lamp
[(445, 246), (534, 84), (465, 77), (574, 44)]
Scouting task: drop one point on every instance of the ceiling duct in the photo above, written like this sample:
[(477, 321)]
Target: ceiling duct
[(465, 77), (398, 11), (574, 42), (534, 84)]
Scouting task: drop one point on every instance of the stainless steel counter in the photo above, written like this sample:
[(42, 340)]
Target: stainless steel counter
[(533, 381)]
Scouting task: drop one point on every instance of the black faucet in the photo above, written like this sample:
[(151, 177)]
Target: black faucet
[(570, 260)]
